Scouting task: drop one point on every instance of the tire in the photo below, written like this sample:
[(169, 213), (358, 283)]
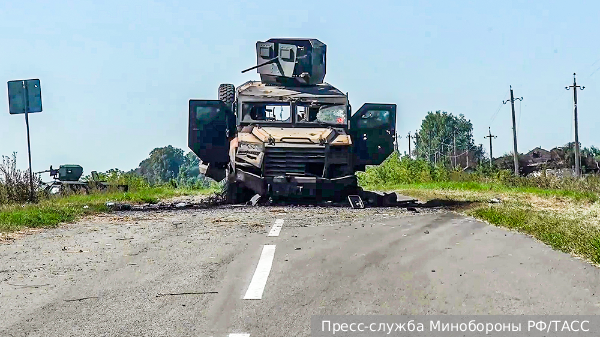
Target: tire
[(235, 193), (227, 94)]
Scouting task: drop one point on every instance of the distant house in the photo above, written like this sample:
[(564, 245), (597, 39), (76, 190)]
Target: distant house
[(466, 160), (537, 156)]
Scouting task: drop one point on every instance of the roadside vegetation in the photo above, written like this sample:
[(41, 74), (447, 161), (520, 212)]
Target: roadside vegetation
[(165, 174), (562, 212)]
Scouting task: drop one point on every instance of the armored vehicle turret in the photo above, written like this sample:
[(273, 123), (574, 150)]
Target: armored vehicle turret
[(66, 178), (290, 62)]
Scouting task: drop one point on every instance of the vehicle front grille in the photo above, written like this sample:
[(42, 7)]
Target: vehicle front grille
[(279, 161)]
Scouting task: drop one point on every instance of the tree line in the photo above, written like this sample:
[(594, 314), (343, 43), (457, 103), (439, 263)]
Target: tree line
[(164, 165), (446, 139)]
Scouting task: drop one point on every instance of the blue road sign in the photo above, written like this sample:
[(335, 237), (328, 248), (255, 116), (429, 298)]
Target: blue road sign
[(22, 94)]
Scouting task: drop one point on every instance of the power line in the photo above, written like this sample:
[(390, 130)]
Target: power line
[(497, 110), (590, 75), (519, 120)]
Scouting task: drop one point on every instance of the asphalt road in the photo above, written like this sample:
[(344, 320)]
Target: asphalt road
[(186, 273)]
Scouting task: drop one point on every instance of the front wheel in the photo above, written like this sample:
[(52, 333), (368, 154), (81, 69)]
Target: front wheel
[(235, 193)]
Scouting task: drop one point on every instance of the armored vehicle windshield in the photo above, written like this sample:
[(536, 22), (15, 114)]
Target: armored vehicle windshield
[(302, 113)]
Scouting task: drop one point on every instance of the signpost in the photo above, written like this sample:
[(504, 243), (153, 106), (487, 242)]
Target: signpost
[(25, 97)]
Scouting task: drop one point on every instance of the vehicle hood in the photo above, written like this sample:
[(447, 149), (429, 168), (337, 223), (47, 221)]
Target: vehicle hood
[(301, 135)]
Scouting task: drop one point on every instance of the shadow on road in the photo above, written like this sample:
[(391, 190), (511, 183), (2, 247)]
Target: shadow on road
[(441, 203)]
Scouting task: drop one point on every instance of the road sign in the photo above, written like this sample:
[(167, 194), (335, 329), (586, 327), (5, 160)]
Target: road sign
[(25, 97), (24, 94)]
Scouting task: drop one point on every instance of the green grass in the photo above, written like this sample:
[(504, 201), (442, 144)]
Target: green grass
[(57, 210), (566, 220), (560, 232), (575, 195)]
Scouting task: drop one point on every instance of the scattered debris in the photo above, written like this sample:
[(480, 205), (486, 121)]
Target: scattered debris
[(356, 201), (81, 299), (495, 201), (28, 285), (188, 293), (380, 198), (254, 200), (210, 201), (118, 207)]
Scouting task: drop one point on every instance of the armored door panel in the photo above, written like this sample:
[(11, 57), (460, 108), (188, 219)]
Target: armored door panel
[(211, 127), (373, 128)]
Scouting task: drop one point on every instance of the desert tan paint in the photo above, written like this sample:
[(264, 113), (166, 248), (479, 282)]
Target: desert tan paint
[(342, 140), (247, 137), (314, 134), (262, 135)]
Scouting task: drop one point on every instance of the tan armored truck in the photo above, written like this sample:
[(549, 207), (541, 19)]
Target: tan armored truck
[(289, 135)]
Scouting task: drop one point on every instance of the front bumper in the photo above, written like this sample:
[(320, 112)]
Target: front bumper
[(298, 186)]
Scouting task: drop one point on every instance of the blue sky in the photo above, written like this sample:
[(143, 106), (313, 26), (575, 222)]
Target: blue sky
[(116, 76)]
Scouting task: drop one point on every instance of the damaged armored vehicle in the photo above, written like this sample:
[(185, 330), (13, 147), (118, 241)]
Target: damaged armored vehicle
[(289, 135)]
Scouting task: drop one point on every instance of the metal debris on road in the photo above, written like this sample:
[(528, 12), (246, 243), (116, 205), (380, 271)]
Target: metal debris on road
[(188, 293), (254, 200), (356, 201), (81, 299), (28, 285), (118, 207)]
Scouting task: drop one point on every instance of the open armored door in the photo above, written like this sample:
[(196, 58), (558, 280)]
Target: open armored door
[(211, 127), (373, 128)]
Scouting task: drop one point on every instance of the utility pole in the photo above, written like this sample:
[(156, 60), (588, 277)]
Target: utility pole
[(490, 136), (577, 154), (409, 145), (454, 149), (515, 153), (429, 149), (417, 144)]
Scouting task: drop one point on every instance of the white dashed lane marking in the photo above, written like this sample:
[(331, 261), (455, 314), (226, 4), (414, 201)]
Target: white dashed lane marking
[(259, 280), (276, 228)]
